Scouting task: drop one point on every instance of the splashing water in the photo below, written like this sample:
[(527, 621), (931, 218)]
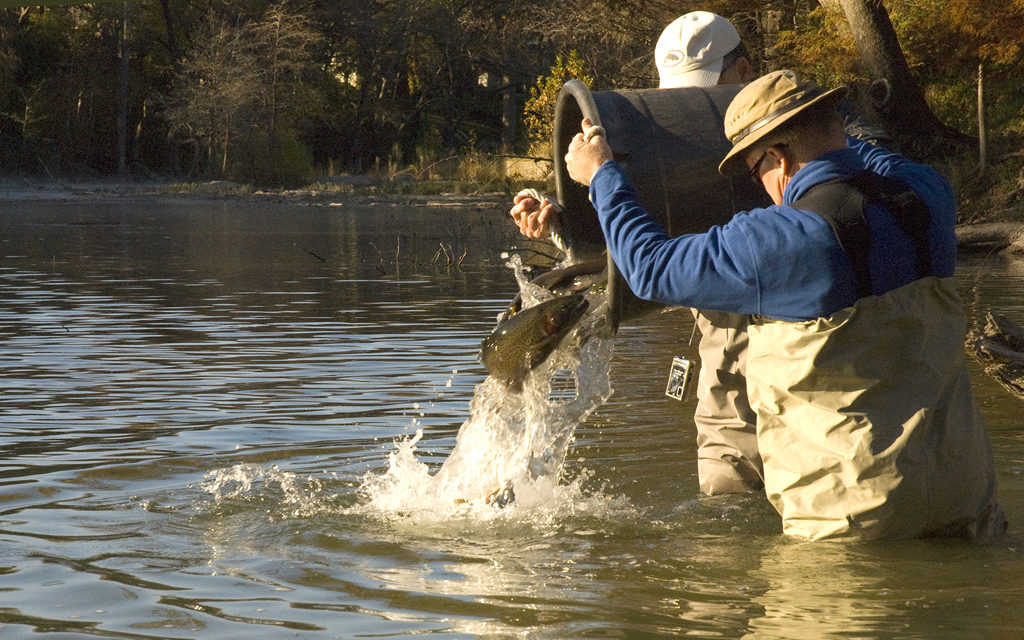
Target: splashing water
[(509, 453), (286, 494), (513, 445)]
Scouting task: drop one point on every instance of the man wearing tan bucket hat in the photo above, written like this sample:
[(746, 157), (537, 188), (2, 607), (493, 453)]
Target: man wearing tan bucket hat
[(866, 421)]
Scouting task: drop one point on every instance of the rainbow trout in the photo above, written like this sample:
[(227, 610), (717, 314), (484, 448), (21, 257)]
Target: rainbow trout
[(524, 340), (575, 278)]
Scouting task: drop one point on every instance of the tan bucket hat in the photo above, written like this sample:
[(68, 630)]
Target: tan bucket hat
[(764, 104)]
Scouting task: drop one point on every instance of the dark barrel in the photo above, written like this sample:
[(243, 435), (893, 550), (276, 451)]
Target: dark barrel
[(670, 142)]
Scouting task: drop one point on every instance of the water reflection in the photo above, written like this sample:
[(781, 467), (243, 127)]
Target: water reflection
[(910, 589)]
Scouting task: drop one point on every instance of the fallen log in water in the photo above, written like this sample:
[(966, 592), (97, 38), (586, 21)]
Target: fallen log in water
[(1000, 348), (991, 237)]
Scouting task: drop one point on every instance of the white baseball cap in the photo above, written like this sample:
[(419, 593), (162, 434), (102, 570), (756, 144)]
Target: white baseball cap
[(690, 50)]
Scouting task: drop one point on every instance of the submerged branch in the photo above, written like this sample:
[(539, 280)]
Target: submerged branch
[(1000, 349)]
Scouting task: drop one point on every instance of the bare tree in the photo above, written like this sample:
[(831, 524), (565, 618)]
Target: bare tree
[(282, 42), (238, 91), (216, 85)]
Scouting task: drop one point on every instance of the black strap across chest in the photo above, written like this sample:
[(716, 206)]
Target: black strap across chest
[(841, 202)]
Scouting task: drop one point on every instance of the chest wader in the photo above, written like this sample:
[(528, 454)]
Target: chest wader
[(867, 425), (727, 457)]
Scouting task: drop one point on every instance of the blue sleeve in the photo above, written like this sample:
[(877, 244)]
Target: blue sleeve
[(712, 270), (928, 183), (934, 189)]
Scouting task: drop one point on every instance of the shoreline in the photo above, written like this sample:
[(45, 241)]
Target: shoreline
[(335, 191)]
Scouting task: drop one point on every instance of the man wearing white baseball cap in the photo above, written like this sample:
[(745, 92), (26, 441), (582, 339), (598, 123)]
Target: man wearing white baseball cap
[(701, 49)]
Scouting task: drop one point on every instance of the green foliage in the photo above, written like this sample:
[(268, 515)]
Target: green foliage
[(944, 42), (539, 111), (61, 66), (280, 162), (398, 86), (955, 102), (820, 45)]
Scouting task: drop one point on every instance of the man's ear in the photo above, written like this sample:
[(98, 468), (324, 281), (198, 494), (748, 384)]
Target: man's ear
[(784, 158), (745, 68)]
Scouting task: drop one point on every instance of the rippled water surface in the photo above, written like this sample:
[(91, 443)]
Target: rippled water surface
[(204, 406)]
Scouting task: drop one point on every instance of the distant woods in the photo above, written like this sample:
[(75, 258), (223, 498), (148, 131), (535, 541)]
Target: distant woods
[(273, 93)]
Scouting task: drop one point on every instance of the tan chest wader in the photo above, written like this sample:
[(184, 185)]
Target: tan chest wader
[(866, 421)]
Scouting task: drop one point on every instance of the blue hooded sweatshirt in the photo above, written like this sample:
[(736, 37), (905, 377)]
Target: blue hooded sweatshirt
[(778, 262)]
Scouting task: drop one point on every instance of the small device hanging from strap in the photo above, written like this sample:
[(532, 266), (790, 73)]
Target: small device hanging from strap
[(841, 203)]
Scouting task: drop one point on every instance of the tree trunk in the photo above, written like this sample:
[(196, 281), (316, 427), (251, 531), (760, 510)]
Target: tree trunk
[(511, 108), (122, 98), (172, 42), (982, 135), (895, 95), (224, 157)]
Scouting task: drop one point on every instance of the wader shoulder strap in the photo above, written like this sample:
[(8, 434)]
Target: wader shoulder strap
[(841, 203), (908, 209), (842, 206)]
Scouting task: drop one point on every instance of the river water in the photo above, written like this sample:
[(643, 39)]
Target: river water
[(215, 418)]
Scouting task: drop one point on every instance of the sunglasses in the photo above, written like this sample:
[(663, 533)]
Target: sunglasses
[(755, 171)]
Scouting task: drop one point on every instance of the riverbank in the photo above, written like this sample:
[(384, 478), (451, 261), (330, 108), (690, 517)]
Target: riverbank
[(335, 191)]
